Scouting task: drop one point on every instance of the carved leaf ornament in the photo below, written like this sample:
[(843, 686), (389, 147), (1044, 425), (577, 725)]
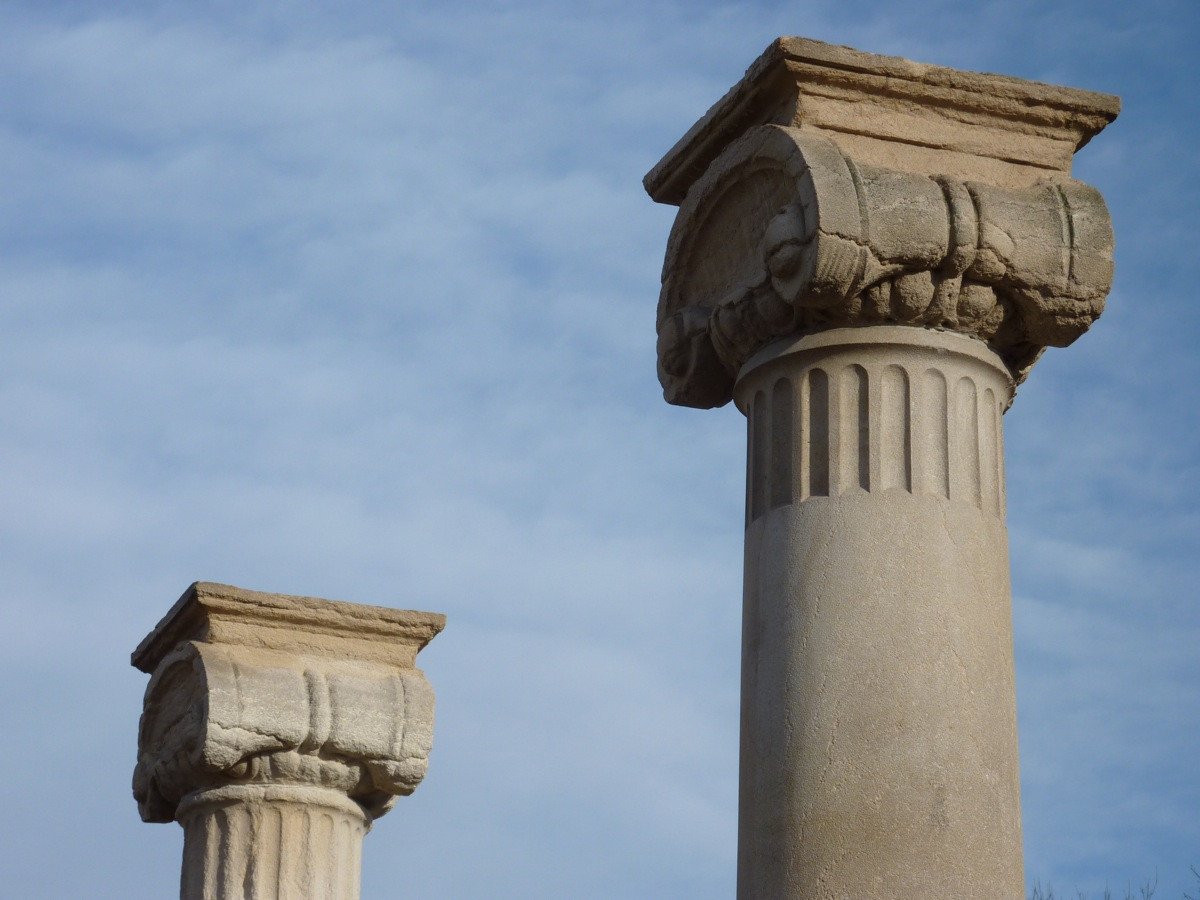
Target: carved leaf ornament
[(786, 235)]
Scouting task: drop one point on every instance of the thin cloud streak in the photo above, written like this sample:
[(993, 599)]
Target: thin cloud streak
[(362, 306)]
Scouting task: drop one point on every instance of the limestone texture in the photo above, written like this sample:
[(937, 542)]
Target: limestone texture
[(897, 114), (870, 254), (879, 740), (795, 225), (275, 730)]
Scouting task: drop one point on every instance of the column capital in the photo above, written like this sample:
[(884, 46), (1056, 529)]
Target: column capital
[(833, 188), (250, 688)]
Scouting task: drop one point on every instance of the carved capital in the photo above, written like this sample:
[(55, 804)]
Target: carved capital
[(785, 234), (250, 688)]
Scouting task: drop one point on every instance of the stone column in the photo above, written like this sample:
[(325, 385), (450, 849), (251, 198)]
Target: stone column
[(276, 729), (869, 256)]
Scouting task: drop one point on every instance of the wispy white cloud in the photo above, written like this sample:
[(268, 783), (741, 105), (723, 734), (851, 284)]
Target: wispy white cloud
[(361, 305)]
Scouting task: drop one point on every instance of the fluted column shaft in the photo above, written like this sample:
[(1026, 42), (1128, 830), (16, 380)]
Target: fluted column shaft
[(879, 748), (271, 842)]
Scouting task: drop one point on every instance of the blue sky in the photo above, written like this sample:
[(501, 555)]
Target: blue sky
[(357, 300)]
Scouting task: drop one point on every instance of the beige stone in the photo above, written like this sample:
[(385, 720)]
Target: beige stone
[(879, 744), (869, 255), (894, 113), (275, 730), (786, 234)]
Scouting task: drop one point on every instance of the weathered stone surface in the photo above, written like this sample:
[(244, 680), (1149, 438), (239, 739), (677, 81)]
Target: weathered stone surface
[(896, 114), (869, 255), (879, 739), (835, 188), (787, 235), (271, 842), (262, 707)]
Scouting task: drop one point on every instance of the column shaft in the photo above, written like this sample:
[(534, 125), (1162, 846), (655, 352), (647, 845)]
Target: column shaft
[(879, 748)]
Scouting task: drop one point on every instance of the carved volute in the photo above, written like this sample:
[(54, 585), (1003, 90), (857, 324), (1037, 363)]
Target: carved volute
[(832, 188)]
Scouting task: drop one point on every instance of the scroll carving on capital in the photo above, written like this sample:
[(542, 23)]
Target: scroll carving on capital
[(786, 235), (221, 715), (251, 688)]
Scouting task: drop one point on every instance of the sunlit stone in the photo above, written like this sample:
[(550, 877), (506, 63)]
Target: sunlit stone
[(869, 255), (275, 730)]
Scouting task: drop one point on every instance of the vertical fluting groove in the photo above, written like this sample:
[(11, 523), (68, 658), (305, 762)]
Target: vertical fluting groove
[(839, 431), (759, 447), (782, 411), (818, 433), (356, 861), (274, 871), (321, 850), (1001, 489), (302, 826), (864, 427), (802, 440), (250, 870), (856, 416), (272, 868), (287, 851), (299, 828), (872, 394), (195, 839), (242, 844), (210, 868), (989, 452), (332, 856), (233, 820), (933, 434), (895, 430), (343, 856), (230, 852), (966, 485), (252, 852), (353, 867), (796, 440), (749, 463)]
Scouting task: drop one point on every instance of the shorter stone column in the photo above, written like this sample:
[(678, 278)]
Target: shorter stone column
[(275, 730)]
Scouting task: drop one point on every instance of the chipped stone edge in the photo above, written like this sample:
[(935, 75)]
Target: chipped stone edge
[(203, 603), (1004, 97)]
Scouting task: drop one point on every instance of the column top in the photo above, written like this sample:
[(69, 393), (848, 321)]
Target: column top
[(251, 688), (223, 614), (833, 188), (895, 113)]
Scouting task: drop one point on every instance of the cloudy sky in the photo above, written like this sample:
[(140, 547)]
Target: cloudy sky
[(357, 300)]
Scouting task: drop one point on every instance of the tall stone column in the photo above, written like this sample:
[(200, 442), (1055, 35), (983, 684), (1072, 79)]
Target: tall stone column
[(869, 256), (276, 729)]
